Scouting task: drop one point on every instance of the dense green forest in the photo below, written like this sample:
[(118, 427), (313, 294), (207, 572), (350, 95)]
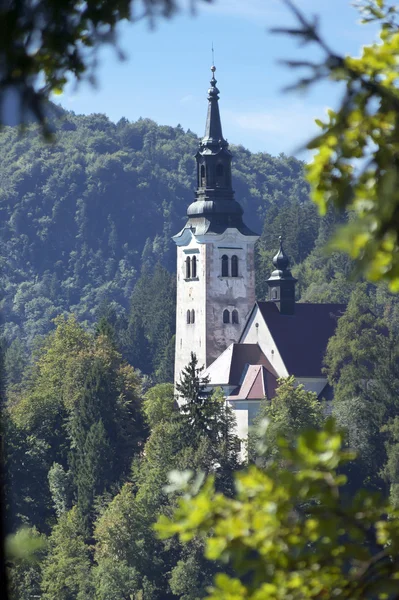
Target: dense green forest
[(91, 425)]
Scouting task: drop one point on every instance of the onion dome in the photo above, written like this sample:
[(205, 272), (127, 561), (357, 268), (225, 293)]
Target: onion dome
[(281, 260)]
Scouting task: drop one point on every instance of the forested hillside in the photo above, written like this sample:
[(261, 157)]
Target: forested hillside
[(83, 218)]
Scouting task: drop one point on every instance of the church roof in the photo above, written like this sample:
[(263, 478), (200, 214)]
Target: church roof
[(257, 383), (302, 338), (229, 367)]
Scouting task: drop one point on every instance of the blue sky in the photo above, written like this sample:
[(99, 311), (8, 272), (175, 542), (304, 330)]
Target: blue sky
[(166, 72)]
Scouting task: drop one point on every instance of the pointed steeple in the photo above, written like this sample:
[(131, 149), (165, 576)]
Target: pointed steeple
[(213, 128), (214, 209), (281, 283)]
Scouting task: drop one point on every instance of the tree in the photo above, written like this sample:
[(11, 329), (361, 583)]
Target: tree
[(152, 322), (362, 366), (290, 412), (207, 422), (130, 559), (391, 469), (66, 571), (354, 351), (61, 488), (51, 417), (101, 451), (306, 540), (196, 409), (356, 165), (24, 551), (27, 499), (53, 384), (127, 552), (15, 362), (192, 574), (159, 404)]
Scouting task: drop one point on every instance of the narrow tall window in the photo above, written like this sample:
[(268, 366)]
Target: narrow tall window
[(188, 317), (202, 175), (192, 316), (234, 316), (188, 267), (226, 316), (234, 266), (194, 267), (225, 265)]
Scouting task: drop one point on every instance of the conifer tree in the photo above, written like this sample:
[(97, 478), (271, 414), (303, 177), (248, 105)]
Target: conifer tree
[(207, 416), (106, 328), (362, 365), (196, 410), (93, 428)]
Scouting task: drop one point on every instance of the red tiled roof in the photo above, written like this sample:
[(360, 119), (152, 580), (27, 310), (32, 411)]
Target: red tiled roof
[(257, 383), (247, 354), (302, 338)]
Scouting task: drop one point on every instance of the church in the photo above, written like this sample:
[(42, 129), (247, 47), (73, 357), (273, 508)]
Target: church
[(245, 345)]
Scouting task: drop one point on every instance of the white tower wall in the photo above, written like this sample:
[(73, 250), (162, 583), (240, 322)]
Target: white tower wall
[(210, 294)]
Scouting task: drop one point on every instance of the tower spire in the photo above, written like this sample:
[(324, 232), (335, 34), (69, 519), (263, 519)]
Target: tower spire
[(213, 128), (214, 209)]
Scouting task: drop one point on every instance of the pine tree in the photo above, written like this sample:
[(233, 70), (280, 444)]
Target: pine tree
[(196, 410), (207, 416), (362, 366), (106, 328), (93, 430)]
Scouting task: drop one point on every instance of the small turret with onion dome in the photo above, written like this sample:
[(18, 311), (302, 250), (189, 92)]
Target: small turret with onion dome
[(281, 283)]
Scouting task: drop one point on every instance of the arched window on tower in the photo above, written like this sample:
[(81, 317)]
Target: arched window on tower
[(202, 175), (219, 175), (234, 266), (226, 316), (194, 267), (188, 267), (234, 317), (192, 316), (188, 317), (225, 265)]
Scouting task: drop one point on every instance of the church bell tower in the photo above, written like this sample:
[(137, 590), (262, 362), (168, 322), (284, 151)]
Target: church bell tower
[(215, 254)]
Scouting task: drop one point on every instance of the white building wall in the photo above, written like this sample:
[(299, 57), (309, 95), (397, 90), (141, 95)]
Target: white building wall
[(190, 295), (245, 412), (210, 294), (257, 332), (231, 293)]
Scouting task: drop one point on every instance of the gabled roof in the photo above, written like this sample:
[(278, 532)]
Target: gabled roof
[(258, 383), (228, 368), (302, 338)]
